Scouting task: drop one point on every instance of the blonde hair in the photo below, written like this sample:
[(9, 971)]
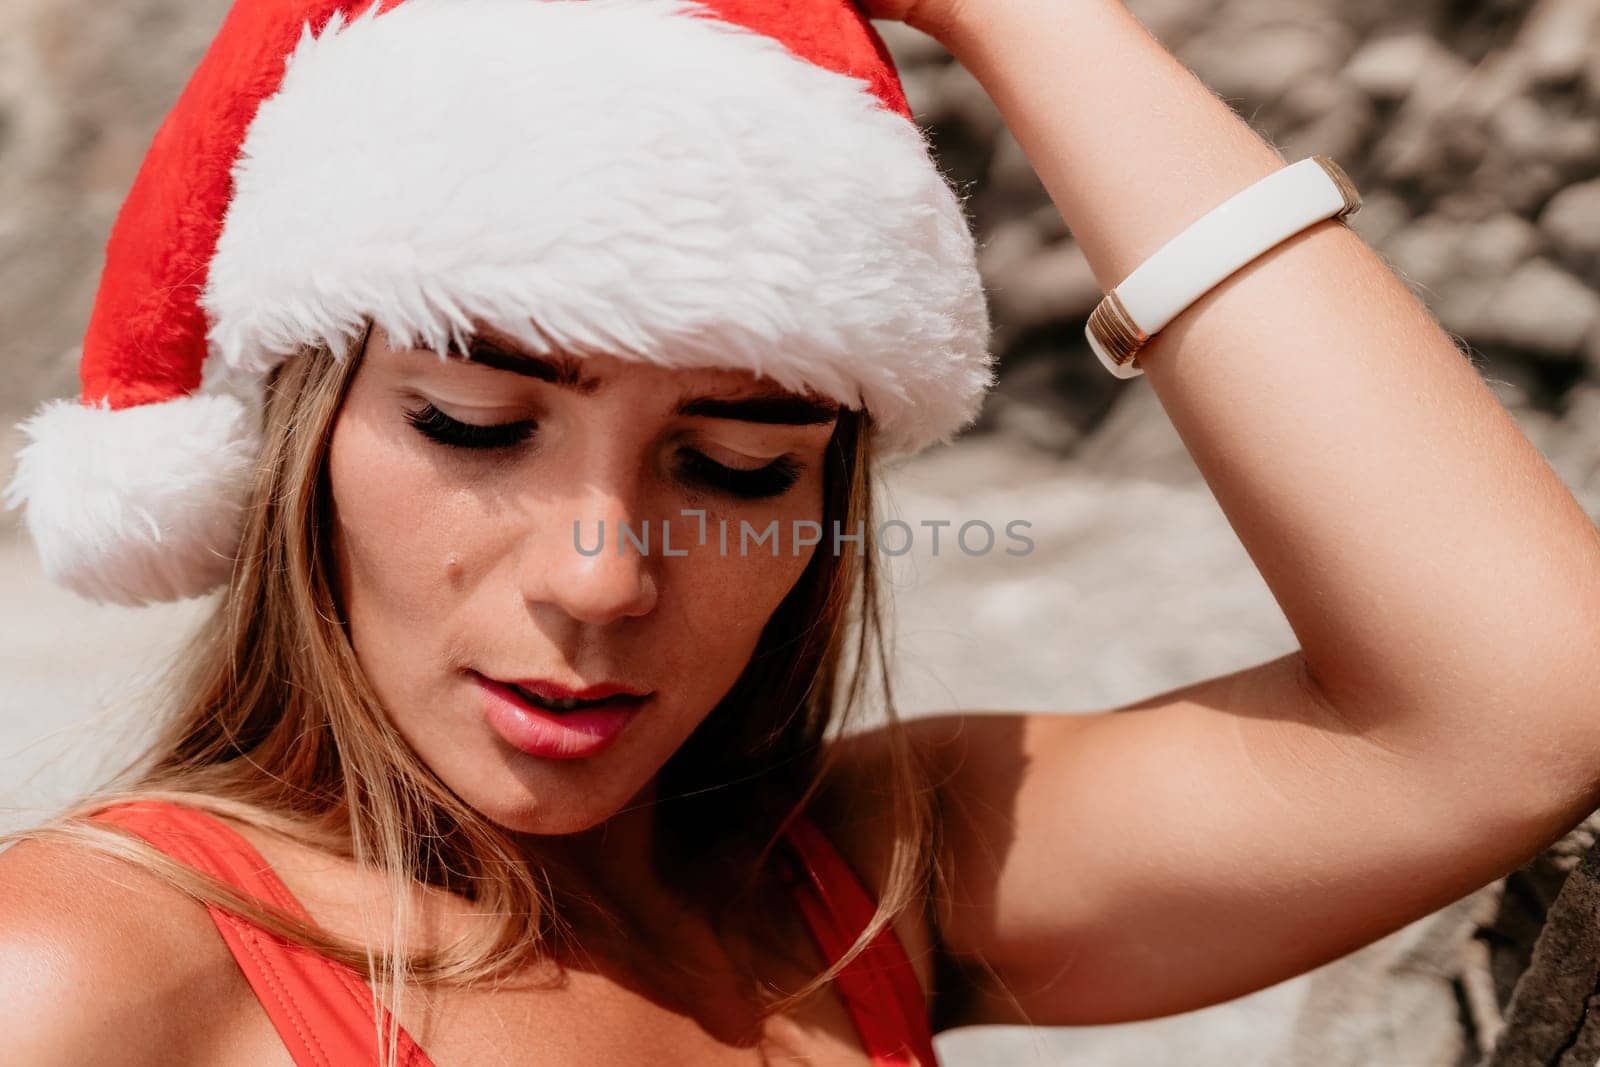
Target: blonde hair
[(272, 722)]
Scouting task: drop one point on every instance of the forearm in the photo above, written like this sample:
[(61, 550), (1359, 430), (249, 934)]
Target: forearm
[(1442, 581)]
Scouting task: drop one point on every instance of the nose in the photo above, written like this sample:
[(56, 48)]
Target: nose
[(567, 573)]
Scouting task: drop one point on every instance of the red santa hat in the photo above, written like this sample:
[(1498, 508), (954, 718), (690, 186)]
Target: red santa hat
[(728, 183)]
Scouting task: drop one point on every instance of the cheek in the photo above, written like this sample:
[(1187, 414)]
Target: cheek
[(392, 536), (730, 592), (733, 597)]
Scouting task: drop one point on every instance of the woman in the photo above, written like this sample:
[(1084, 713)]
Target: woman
[(386, 713)]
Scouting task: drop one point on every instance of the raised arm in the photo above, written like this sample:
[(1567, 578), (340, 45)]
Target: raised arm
[(1441, 721)]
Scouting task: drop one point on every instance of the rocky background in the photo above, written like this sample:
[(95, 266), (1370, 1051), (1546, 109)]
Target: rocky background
[(1473, 129)]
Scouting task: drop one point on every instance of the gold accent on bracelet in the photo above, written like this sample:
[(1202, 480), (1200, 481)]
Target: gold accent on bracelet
[(1347, 188), (1115, 330)]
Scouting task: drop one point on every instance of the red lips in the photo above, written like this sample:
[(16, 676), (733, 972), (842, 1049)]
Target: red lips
[(584, 730), (549, 690)]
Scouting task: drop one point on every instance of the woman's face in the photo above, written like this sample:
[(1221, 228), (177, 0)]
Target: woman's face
[(459, 570)]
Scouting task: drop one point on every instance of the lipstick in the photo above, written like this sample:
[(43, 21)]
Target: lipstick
[(554, 691), (598, 714)]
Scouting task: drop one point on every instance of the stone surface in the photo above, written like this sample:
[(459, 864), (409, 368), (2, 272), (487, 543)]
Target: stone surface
[(1542, 309), (1572, 221)]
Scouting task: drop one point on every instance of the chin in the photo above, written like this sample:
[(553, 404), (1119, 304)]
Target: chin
[(548, 809), (547, 821)]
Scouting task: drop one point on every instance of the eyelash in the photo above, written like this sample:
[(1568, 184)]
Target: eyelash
[(762, 483), (772, 480), (438, 426)]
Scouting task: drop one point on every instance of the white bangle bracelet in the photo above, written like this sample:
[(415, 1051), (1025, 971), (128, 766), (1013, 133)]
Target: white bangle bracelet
[(1231, 235)]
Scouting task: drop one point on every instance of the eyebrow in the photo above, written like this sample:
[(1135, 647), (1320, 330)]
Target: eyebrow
[(779, 408), (774, 407), (563, 371)]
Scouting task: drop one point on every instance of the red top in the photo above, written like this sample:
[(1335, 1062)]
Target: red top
[(323, 1009)]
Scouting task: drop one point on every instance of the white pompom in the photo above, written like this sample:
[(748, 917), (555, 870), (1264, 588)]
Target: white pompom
[(139, 504)]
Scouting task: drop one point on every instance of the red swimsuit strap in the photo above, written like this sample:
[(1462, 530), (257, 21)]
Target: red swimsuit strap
[(322, 1009), (879, 986)]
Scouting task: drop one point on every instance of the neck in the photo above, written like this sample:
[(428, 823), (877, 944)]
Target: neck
[(609, 866)]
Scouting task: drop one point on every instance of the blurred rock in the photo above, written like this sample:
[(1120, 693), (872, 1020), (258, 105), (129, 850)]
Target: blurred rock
[(1261, 63), (1572, 220), (960, 98), (1007, 249), (1558, 38), (1419, 138), (1459, 267), (1387, 68), (1047, 284), (1047, 221), (1573, 448), (1392, 1002), (1335, 119), (1427, 252), (1495, 245), (1012, 181), (1463, 306), (82, 88), (1591, 75), (1542, 309), (1170, 21), (1574, 143), (1382, 216)]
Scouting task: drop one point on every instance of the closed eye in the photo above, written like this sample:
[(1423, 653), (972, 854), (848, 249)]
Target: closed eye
[(760, 483), (438, 426)]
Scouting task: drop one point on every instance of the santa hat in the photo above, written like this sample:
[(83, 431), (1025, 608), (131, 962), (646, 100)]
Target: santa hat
[(733, 183)]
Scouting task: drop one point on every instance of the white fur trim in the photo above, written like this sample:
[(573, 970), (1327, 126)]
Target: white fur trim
[(139, 504), (610, 175)]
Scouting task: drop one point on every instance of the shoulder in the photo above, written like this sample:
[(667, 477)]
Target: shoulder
[(102, 961)]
